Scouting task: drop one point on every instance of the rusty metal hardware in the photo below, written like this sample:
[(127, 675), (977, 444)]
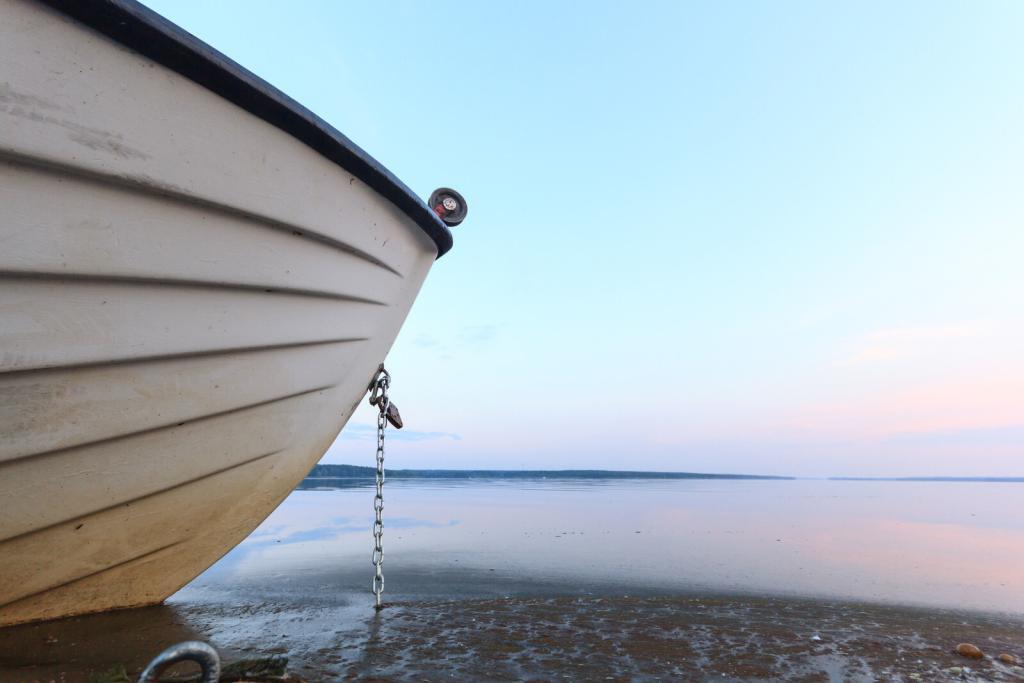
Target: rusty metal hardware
[(393, 416)]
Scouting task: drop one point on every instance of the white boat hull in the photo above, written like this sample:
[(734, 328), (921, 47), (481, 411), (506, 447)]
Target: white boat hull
[(192, 303)]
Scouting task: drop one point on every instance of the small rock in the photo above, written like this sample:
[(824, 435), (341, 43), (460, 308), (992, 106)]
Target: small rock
[(815, 638), (914, 677), (969, 651), (1007, 659), (955, 670)]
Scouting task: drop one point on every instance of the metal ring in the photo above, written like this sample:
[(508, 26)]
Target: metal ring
[(189, 651)]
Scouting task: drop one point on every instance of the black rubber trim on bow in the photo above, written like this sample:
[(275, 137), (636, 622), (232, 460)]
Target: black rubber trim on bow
[(146, 32)]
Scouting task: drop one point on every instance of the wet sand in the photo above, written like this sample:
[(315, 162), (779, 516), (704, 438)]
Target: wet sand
[(582, 637), (804, 581)]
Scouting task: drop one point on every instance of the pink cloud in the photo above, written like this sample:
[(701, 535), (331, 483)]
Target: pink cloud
[(908, 342)]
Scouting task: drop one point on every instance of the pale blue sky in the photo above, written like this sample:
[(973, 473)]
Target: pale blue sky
[(739, 237)]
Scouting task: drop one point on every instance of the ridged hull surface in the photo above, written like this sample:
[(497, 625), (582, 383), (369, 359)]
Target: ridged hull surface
[(192, 303)]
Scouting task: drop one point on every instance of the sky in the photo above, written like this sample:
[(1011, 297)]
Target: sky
[(761, 237)]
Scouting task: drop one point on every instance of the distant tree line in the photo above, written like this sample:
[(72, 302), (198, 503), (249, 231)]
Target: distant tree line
[(360, 472)]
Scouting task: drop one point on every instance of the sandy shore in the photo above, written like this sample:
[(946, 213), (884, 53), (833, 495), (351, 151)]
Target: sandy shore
[(579, 637)]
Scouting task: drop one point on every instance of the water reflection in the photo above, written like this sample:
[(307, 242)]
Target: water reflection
[(330, 483), (96, 642), (936, 543), (300, 584)]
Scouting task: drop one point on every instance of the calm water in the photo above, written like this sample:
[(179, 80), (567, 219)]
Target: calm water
[(591, 580), (957, 545)]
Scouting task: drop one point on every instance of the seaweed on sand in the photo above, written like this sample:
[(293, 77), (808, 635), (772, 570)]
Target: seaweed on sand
[(117, 674)]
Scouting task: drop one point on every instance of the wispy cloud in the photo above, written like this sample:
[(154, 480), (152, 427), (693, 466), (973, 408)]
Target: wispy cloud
[(425, 341), (477, 335), (1004, 435), (897, 343), (366, 432), (466, 338)]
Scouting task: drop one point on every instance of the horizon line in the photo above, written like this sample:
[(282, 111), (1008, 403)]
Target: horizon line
[(991, 478)]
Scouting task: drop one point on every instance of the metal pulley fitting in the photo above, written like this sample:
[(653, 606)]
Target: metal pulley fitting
[(379, 397), (449, 205)]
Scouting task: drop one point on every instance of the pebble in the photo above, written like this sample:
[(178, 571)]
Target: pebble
[(1007, 659), (969, 651)]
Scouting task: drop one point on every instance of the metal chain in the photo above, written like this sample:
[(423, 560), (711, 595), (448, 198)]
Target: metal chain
[(386, 412)]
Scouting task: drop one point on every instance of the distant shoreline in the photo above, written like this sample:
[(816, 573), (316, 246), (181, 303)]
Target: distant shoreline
[(360, 472), (1010, 480)]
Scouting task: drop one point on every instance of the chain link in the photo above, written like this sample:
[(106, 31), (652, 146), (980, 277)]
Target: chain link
[(379, 397)]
